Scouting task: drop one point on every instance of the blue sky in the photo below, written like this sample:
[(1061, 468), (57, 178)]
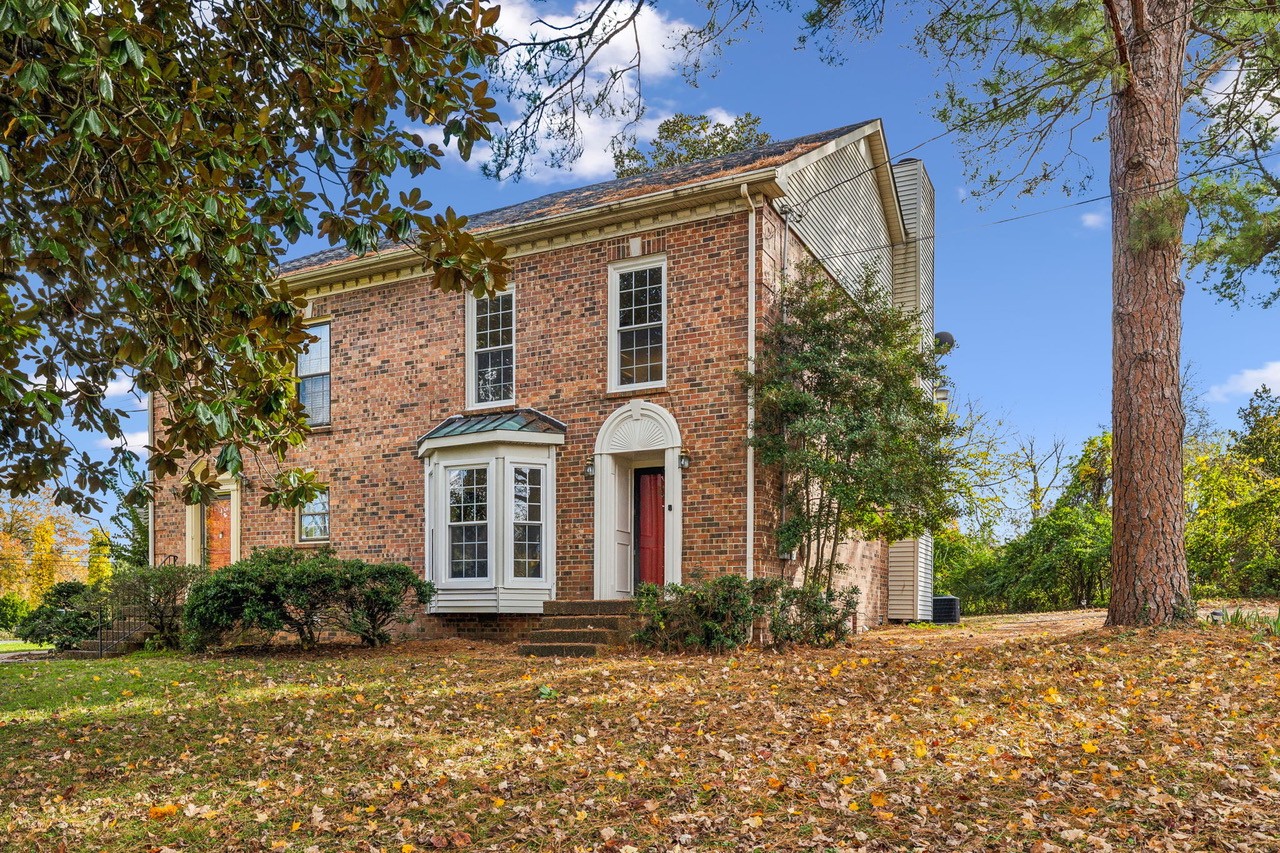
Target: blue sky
[(1028, 301)]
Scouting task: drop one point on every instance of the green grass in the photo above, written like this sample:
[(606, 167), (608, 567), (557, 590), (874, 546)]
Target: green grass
[(905, 739), (20, 646)]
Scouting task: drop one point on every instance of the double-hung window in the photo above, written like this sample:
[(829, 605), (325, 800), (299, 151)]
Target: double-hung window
[(527, 519), (313, 376), (313, 519), (491, 350), (468, 526), (638, 324)]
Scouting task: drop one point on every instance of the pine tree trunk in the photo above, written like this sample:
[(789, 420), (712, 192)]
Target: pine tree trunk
[(1149, 582)]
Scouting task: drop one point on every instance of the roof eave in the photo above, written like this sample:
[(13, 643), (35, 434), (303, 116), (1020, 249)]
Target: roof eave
[(542, 228)]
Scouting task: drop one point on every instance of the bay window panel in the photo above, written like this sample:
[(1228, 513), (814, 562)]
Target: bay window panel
[(468, 523), (527, 514)]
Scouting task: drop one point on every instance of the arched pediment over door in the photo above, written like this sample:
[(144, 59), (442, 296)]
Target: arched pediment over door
[(638, 439)]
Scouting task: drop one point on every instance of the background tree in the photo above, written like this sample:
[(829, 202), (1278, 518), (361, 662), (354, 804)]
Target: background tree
[(157, 159), (685, 138), (1187, 90), (43, 566), (132, 545), (13, 566), (98, 568), (840, 410)]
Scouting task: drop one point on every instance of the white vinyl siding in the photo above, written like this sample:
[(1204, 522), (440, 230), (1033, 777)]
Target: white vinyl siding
[(638, 324)]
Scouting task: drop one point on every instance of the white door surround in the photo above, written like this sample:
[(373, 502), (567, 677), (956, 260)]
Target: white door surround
[(637, 435)]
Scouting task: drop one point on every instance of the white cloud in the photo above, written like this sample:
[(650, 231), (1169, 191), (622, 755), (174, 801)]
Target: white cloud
[(656, 38), (135, 441), (1247, 381), (962, 193), (1093, 220), (118, 387)]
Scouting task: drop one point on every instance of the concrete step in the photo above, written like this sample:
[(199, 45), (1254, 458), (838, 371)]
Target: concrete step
[(575, 635), (598, 621), (590, 607), (89, 651), (559, 650)]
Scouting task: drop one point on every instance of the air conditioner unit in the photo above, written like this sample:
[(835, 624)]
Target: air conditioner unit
[(946, 609)]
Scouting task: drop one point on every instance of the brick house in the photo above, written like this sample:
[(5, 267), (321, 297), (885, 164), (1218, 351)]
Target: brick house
[(587, 429)]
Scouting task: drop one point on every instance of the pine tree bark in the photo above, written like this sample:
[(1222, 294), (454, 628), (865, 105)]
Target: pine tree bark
[(1149, 583)]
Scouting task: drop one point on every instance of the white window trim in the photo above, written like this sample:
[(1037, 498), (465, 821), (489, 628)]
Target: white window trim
[(472, 402), (297, 527), (615, 271), (443, 578), (227, 485), (306, 324), (548, 523), (484, 449)]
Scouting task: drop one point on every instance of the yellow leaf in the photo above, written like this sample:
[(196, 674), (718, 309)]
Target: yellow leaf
[(879, 800), (920, 750), (499, 802), (1089, 747), (158, 812), (279, 845), (836, 670), (407, 848), (754, 820)]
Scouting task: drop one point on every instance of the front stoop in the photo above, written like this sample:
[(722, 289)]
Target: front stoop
[(580, 629)]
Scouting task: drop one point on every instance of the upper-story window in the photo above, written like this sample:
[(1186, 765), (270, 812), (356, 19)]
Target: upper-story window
[(491, 350), (313, 376), (638, 323)]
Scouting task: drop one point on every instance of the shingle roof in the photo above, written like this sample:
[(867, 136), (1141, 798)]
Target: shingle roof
[(578, 198)]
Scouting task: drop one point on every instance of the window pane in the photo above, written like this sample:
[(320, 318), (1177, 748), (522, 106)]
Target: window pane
[(495, 375), (313, 519), (640, 355), (526, 531), (313, 393), (494, 349), (468, 523), (640, 326), (316, 357)]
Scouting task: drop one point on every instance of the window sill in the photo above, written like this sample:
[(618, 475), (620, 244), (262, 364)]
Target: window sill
[(637, 391), (321, 429), (313, 543)]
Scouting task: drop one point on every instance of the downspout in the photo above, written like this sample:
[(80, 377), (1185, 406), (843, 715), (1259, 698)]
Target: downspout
[(751, 394)]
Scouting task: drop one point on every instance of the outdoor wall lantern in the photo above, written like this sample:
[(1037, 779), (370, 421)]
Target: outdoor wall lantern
[(590, 470), (684, 461)]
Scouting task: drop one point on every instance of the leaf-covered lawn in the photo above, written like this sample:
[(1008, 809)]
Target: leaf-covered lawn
[(1032, 733)]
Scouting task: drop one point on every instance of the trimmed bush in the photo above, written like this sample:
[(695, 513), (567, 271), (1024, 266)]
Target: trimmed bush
[(12, 611), (302, 592), (373, 595), (715, 615), (67, 616), (812, 616), (158, 592)]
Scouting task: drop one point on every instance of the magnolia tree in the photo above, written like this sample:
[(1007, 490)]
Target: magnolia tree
[(157, 159)]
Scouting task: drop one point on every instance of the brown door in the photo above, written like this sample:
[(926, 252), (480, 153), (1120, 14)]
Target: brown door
[(650, 528), (217, 532)]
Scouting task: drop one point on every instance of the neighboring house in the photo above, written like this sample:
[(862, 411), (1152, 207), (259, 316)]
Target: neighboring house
[(586, 430)]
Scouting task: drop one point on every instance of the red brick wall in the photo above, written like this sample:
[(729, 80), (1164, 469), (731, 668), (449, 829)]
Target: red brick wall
[(398, 369)]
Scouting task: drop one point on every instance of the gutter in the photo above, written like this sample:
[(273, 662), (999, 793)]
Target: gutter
[(751, 394)]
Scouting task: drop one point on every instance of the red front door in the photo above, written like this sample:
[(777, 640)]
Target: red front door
[(651, 535)]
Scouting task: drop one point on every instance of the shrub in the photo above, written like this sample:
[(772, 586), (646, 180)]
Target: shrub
[(273, 589), (373, 595), (714, 615), (302, 591), (12, 611), (159, 593), (67, 616), (812, 616)]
